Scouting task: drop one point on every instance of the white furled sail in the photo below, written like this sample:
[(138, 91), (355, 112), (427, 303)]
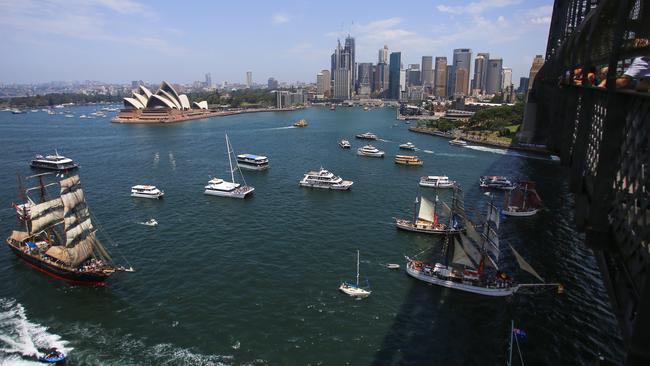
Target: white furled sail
[(470, 249), (427, 210), (493, 215), (460, 257), (525, 265), (46, 214), (492, 242)]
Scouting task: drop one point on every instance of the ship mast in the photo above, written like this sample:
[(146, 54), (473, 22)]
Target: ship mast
[(357, 268), (232, 172)]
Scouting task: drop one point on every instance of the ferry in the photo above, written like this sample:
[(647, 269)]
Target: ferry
[(344, 144), (408, 160), (252, 162), (53, 162), (458, 142), (437, 181), (496, 182), (407, 146), (367, 136), (324, 179), (300, 123), (146, 191), (371, 151), (219, 187)]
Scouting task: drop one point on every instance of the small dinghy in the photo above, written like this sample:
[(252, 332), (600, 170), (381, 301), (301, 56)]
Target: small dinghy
[(52, 356), (392, 266), (151, 222)]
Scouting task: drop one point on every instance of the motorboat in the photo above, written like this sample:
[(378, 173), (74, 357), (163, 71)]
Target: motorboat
[(232, 189), (437, 181), (150, 222), (52, 356), (300, 123), (353, 289), (366, 136), (392, 266), (369, 150), (496, 182), (345, 144), (408, 160), (407, 146), (252, 162), (53, 162), (146, 191), (365, 109), (324, 179), (458, 142)]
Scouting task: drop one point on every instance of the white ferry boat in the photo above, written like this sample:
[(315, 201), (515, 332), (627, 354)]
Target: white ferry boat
[(252, 162), (496, 182), (437, 181), (344, 144), (146, 191), (407, 146), (53, 162), (219, 187), (367, 136), (458, 142), (324, 179), (371, 151)]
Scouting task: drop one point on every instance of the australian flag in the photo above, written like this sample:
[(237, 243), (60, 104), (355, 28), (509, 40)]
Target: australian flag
[(519, 332)]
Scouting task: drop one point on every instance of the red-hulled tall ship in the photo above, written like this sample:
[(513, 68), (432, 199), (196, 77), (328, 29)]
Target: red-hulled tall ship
[(59, 238)]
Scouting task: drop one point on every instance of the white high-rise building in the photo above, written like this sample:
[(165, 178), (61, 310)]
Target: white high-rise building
[(249, 79), (383, 55), (506, 78)]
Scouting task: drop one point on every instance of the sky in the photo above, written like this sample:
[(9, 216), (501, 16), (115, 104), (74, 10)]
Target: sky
[(122, 40)]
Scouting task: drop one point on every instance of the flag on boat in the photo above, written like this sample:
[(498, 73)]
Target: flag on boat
[(518, 332)]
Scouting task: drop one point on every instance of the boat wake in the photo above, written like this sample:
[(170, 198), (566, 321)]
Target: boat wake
[(428, 151), (20, 338), (507, 152), (276, 128), (172, 160), (383, 140)]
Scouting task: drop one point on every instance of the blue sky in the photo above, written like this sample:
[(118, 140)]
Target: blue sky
[(179, 41)]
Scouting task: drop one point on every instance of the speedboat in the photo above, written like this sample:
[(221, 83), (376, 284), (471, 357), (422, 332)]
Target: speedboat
[(324, 179), (300, 123), (52, 356), (408, 160), (219, 187), (367, 136), (53, 162), (458, 142), (146, 191), (496, 182), (150, 222), (436, 181), (392, 266), (252, 162), (407, 146), (344, 144), (371, 151)]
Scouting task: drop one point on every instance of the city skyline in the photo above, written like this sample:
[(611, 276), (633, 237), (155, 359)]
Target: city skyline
[(72, 41)]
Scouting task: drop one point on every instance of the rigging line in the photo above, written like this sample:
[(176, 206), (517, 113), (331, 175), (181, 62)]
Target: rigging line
[(110, 239), (521, 358)]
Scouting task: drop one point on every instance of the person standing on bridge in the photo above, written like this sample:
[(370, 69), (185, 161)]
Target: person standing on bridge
[(638, 71)]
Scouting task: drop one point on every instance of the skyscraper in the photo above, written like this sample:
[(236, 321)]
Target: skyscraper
[(249, 79), (342, 73), (413, 75), (480, 68), (440, 77), (383, 55), (394, 75), (523, 85), (364, 82), (272, 84), (493, 78), (538, 62), (506, 78), (427, 72), (381, 71), (462, 60), (323, 83), (208, 80), (449, 87), (350, 49)]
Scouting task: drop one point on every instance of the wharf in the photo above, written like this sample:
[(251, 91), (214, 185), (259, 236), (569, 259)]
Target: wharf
[(172, 116)]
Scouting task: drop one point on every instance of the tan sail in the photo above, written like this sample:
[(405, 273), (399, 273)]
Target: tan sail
[(82, 251), (81, 215), (460, 257), (68, 182), (46, 214), (525, 265), (470, 249), (426, 211), (59, 252), (18, 235), (72, 199), (76, 231)]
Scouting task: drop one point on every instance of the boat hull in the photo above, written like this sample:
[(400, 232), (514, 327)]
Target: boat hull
[(408, 226), (252, 167), (243, 194), (486, 291), (436, 185), (335, 187), (520, 213), (73, 277), (37, 165), (150, 196), (409, 163), (371, 155)]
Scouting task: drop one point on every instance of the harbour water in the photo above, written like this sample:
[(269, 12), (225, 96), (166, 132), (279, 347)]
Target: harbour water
[(254, 282)]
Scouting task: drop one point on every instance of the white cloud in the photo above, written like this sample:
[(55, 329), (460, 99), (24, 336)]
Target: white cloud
[(540, 15), (280, 18), (476, 7)]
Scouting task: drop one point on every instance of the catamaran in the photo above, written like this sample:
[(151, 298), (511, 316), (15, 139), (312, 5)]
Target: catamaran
[(466, 257), (425, 218), (522, 201), (220, 187), (59, 238), (352, 289)]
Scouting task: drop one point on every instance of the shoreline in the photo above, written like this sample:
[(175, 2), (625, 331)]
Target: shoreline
[(179, 116), (468, 138)]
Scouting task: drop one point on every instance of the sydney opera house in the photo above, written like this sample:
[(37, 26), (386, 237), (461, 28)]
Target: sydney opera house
[(165, 105)]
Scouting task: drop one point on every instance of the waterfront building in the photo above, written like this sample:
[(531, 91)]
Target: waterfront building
[(415, 93), (402, 85), (364, 81), (493, 78), (440, 77), (394, 75), (480, 73), (249, 79), (538, 62), (427, 73), (462, 60), (272, 84)]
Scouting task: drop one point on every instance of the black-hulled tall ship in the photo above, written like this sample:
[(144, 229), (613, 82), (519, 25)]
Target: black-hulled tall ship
[(59, 238)]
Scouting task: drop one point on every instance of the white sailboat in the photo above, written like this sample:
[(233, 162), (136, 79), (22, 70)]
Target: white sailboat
[(353, 289), (220, 187)]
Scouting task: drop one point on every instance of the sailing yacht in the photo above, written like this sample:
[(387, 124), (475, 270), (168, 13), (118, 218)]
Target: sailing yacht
[(467, 256), (522, 201), (425, 218), (220, 187), (59, 238), (353, 289)]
